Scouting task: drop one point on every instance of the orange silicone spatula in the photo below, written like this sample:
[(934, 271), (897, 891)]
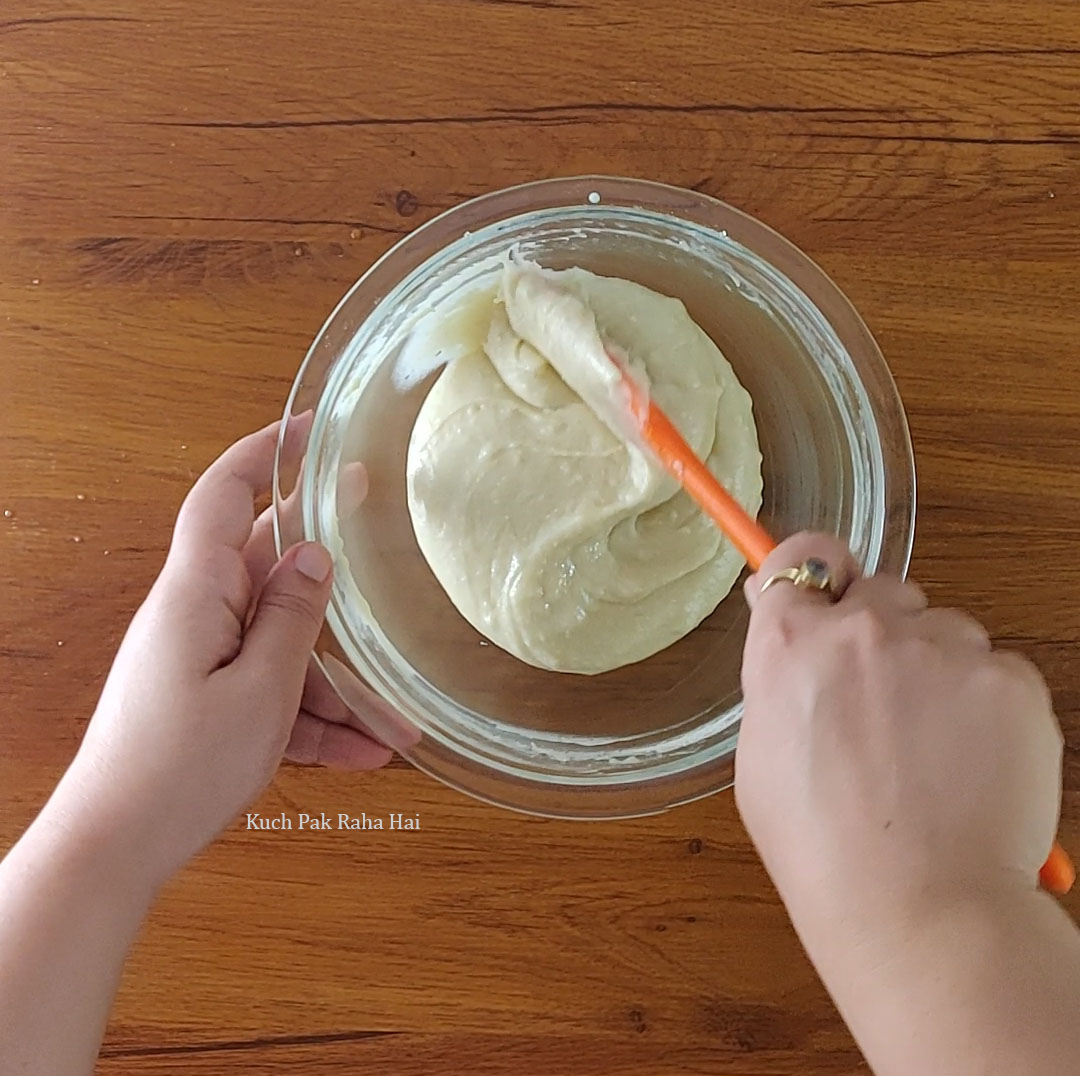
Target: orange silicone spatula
[(751, 539)]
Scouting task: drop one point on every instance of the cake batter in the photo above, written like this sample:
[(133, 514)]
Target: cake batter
[(552, 531)]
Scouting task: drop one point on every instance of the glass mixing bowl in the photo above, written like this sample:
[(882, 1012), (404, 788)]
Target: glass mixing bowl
[(836, 457)]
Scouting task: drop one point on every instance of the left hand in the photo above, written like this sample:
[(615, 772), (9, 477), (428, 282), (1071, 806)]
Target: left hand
[(210, 687)]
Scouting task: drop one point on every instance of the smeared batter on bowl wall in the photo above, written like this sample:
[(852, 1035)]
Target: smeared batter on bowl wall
[(553, 533)]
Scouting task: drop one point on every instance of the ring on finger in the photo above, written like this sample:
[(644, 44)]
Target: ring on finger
[(812, 574)]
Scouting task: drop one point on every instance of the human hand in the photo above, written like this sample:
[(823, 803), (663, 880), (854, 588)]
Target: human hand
[(211, 685), (888, 754)]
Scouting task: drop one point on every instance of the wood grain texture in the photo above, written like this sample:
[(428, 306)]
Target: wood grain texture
[(187, 187)]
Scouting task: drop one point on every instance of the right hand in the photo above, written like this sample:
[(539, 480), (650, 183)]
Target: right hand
[(888, 754)]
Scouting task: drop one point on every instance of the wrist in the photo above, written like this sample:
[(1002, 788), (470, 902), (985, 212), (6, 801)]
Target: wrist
[(868, 932), (871, 893)]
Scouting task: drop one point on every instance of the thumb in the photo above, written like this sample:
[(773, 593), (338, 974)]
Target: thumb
[(289, 615)]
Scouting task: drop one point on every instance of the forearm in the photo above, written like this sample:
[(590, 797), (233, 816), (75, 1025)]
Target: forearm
[(71, 903), (985, 986)]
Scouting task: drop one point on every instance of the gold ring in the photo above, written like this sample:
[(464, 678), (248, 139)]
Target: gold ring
[(813, 574)]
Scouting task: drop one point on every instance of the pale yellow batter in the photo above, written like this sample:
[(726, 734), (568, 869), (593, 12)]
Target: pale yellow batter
[(554, 534)]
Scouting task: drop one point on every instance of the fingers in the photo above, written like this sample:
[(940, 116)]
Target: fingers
[(220, 509), (885, 594), (951, 626), (322, 700), (1026, 672), (790, 554), (287, 621), (260, 553), (317, 742), (379, 718), (352, 489), (365, 712)]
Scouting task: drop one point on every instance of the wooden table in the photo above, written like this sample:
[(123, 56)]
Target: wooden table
[(187, 187)]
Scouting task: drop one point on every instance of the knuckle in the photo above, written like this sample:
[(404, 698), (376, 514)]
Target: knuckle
[(865, 626), (960, 624), (1012, 671), (920, 652), (913, 589), (775, 630), (784, 629), (293, 604)]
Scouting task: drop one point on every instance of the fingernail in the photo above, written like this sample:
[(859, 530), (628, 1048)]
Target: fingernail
[(313, 561)]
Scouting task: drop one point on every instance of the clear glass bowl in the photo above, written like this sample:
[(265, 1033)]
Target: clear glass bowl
[(837, 457)]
